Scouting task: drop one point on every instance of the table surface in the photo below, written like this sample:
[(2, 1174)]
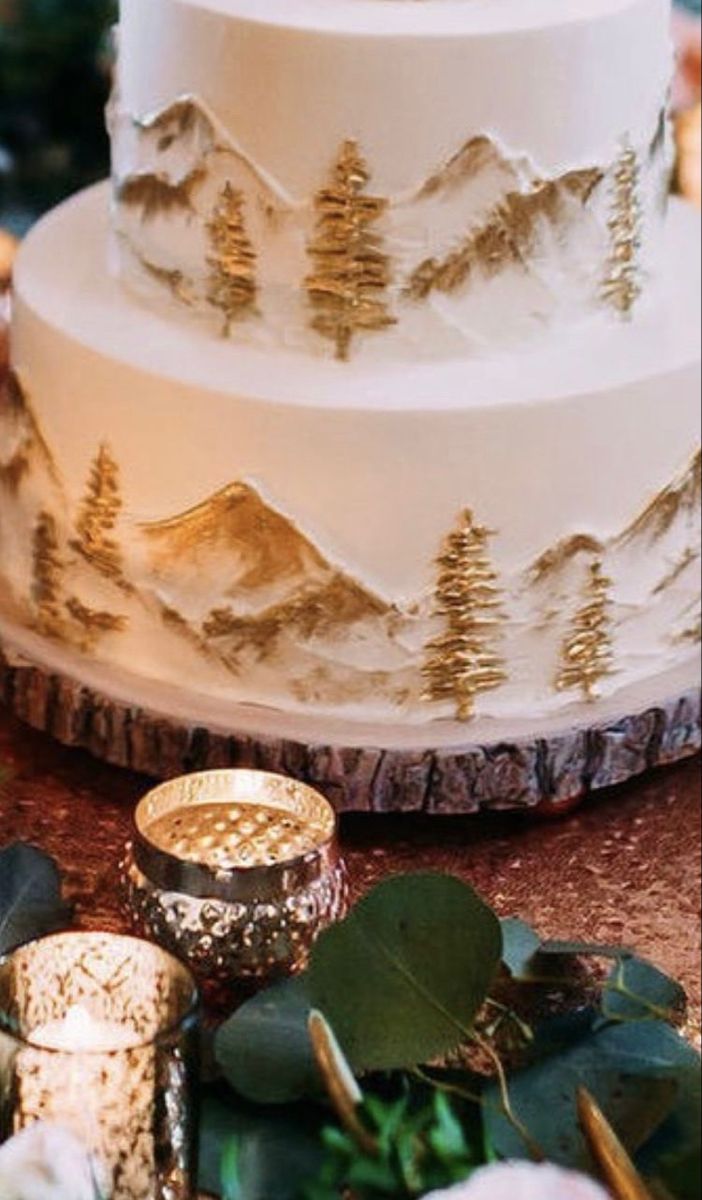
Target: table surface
[(626, 867)]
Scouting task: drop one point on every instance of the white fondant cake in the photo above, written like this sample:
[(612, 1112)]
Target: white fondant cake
[(490, 512)]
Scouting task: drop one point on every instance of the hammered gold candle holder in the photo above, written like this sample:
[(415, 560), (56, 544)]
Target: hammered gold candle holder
[(237, 872), (98, 1034)]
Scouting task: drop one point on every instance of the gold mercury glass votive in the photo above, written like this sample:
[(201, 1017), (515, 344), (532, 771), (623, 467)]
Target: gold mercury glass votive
[(238, 872), (98, 1034)]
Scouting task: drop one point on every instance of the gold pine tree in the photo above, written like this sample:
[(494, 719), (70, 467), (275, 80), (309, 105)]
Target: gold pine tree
[(464, 661), (622, 286), (98, 517), (587, 654), (232, 285), (47, 577), (347, 289)]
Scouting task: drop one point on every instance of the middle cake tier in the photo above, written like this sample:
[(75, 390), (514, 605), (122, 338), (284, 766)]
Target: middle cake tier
[(466, 539)]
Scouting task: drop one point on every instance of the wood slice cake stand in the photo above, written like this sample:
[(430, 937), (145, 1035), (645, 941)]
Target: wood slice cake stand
[(446, 769)]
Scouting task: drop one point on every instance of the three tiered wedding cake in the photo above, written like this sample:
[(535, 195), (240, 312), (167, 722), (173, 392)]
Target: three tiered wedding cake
[(381, 427)]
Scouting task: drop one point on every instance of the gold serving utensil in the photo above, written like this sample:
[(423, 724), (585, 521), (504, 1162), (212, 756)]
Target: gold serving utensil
[(618, 1171)]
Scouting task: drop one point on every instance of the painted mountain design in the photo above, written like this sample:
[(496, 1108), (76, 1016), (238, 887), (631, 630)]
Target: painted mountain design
[(670, 522), (155, 195), (509, 235), (171, 170), (479, 158), (186, 118), (558, 557), (186, 142), (682, 498), (34, 533), (271, 581)]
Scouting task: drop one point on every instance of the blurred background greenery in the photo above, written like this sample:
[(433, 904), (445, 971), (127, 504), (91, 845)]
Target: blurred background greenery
[(54, 82)]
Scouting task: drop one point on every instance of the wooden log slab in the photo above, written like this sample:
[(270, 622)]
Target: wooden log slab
[(517, 774)]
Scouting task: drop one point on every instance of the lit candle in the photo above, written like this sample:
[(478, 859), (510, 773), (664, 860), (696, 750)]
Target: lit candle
[(102, 1030), (79, 1031), (236, 871)]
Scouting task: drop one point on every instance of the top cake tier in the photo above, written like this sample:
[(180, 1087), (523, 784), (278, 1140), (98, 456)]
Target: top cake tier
[(391, 178)]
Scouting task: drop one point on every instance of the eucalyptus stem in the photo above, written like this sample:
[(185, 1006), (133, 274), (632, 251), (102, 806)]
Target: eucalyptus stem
[(620, 989), (510, 1015), (449, 1089), (535, 1151)]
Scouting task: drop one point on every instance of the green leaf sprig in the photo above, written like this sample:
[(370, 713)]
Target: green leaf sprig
[(421, 975)]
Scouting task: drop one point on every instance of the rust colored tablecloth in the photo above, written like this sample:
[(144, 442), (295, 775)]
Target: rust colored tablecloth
[(624, 868)]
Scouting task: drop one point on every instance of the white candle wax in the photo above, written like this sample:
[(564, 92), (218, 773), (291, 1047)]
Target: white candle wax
[(80, 1032)]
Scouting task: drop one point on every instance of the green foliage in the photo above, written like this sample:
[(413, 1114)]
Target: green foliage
[(264, 1050), (402, 979), (632, 1070), (638, 991), (521, 947), (31, 904), (53, 86), (674, 1155), (424, 1142), (253, 1153)]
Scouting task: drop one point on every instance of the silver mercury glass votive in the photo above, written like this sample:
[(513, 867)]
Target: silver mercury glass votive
[(237, 872), (98, 1035)]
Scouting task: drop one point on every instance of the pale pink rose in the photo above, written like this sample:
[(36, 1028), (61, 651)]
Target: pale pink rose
[(524, 1181)]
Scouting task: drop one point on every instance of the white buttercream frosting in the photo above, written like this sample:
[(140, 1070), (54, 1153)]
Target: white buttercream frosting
[(275, 91), (281, 518)]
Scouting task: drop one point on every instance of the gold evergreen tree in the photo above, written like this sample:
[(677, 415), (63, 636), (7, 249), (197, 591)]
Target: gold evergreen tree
[(622, 286), (587, 653), (348, 286), (98, 517), (464, 661), (232, 282), (47, 577)]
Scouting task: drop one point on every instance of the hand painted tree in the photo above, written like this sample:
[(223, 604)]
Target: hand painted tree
[(587, 653), (347, 289), (90, 625), (47, 576), (232, 284), (622, 287), (464, 661), (98, 517)]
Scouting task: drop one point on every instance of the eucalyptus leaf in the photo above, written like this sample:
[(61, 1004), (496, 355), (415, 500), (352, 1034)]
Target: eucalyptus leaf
[(637, 991), (31, 904), (277, 1151), (264, 1050), (521, 946), (673, 1155), (681, 1175), (633, 1071), (401, 980)]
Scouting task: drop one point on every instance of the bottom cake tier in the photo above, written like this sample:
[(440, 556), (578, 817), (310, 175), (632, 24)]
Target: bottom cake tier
[(380, 557)]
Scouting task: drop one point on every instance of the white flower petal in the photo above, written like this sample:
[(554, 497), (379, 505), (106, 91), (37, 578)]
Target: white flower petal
[(524, 1181), (45, 1162)]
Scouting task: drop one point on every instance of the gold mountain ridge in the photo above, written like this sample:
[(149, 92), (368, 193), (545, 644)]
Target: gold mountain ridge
[(478, 155), (507, 236), (265, 554), (683, 495)]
